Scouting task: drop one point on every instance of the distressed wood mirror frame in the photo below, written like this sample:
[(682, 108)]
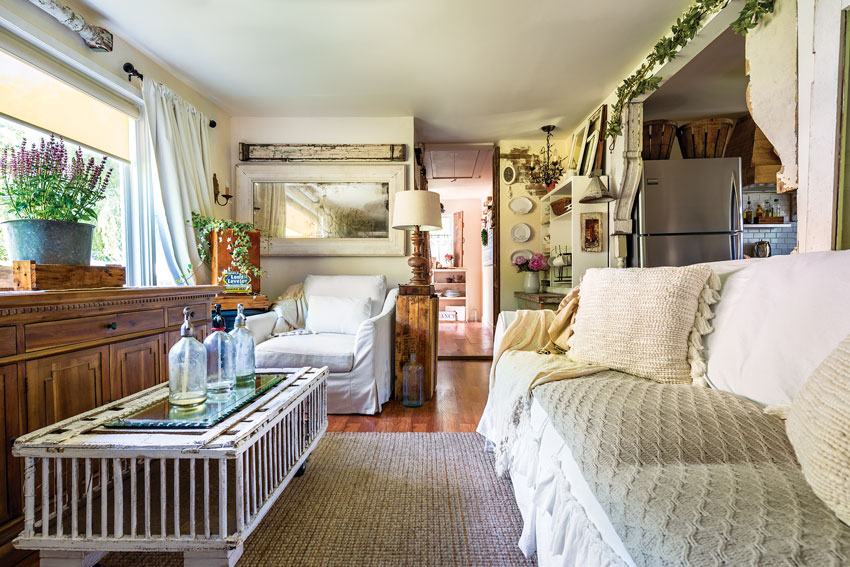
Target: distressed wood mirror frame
[(393, 175)]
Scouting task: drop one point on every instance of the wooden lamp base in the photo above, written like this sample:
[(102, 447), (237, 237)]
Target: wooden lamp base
[(418, 284)]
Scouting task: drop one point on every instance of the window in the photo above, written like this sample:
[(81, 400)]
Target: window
[(34, 104), (108, 240), (442, 241)]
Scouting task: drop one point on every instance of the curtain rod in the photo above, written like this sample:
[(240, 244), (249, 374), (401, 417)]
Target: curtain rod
[(131, 71)]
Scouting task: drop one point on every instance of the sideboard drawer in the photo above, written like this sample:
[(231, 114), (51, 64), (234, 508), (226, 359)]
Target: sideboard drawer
[(175, 314), (8, 341), (70, 331)]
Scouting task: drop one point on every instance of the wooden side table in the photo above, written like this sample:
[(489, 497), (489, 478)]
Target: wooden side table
[(538, 301), (416, 329)]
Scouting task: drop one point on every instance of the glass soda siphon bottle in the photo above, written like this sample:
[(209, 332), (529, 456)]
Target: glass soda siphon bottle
[(221, 356), (244, 341), (187, 368)]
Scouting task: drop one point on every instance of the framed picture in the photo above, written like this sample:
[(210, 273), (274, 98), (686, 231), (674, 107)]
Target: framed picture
[(591, 232), (598, 123), (577, 149), (591, 148)]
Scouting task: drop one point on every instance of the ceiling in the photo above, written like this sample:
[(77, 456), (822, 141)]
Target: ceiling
[(459, 171), (468, 70), (713, 83)]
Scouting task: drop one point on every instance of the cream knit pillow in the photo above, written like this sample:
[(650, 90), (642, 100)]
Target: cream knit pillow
[(818, 427), (646, 321)]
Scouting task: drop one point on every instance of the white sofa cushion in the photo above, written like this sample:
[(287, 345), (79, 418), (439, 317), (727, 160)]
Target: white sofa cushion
[(645, 321), (776, 321), (340, 315), (373, 287), (295, 351), (817, 427)]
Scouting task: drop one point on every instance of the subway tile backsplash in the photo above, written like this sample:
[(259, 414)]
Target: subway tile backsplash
[(782, 239)]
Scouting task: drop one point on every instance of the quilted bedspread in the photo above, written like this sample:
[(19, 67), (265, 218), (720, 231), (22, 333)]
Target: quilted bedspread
[(693, 476)]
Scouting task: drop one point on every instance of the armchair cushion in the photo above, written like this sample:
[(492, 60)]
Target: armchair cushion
[(341, 315), (373, 287), (335, 351)]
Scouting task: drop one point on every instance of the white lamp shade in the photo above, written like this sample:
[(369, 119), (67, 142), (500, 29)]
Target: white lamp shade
[(417, 208)]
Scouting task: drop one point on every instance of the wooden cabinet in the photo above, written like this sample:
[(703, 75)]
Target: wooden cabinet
[(135, 365), (10, 501), (66, 352), (59, 387), (416, 331)]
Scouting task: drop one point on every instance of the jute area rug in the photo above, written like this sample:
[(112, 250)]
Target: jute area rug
[(368, 499)]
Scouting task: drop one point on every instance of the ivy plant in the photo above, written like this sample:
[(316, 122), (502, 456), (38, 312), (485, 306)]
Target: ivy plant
[(238, 241), (666, 49)]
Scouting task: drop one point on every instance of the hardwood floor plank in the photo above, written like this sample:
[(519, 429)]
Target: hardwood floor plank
[(462, 387)]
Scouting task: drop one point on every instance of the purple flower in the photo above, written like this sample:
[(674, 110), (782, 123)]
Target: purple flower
[(39, 182), (538, 263)]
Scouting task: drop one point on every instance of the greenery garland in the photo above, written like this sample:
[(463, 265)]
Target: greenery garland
[(239, 244), (682, 32)]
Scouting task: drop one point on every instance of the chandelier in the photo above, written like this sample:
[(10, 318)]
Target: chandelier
[(546, 168)]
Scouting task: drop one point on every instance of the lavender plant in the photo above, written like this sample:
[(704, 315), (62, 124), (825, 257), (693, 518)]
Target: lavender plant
[(40, 182)]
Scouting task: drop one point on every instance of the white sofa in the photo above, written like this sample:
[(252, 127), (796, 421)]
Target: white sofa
[(776, 320), (360, 367)]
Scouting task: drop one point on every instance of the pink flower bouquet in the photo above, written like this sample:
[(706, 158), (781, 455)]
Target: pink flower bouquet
[(537, 263)]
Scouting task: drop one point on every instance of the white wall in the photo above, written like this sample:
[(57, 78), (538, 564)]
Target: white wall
[(283, 271), (510, 280), (108, 66)]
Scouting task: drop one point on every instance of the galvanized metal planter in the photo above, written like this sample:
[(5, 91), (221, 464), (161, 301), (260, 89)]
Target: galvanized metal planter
[(49, 241), (89, 490)]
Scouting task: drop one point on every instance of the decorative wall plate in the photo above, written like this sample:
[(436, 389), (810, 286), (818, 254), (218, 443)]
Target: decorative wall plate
[(521, 205), (509, 174), (525, 253), (521, 232)]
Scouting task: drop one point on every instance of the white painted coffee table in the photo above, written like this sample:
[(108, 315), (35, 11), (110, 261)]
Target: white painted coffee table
[(197, 490)]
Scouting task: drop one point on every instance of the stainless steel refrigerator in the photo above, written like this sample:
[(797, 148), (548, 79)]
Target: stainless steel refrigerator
[(689, 211)]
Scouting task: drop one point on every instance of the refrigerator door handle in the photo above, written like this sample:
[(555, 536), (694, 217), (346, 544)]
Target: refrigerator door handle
[(736, 220)]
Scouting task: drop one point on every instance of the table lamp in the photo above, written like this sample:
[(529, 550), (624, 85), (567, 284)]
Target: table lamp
[(417, 211)]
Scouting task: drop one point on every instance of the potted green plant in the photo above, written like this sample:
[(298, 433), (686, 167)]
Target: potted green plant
[(229, 247), (50, 196)]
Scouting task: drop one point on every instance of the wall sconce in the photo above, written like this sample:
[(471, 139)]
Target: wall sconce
[(217, 193)]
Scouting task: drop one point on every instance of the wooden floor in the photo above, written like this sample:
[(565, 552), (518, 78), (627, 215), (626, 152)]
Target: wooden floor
[(464, 339), (462, 387)]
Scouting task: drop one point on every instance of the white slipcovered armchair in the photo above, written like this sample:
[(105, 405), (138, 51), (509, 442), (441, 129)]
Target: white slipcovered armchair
[(360, 379)]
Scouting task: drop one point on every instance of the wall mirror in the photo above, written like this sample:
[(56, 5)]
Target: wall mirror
[(322, 210)]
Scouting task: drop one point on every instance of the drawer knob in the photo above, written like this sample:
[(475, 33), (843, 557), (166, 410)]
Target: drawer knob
[(113, 325)]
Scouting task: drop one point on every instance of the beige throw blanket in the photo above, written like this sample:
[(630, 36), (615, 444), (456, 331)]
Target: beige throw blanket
[(530, 355), (291, 309)]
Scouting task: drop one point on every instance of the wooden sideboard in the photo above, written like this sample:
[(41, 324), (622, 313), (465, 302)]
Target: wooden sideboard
[(66, 352)]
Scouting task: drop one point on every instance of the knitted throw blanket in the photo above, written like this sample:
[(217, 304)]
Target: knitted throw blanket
[(693, 476), (528, 357)]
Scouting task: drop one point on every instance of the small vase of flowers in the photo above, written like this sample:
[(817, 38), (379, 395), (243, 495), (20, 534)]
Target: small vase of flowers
[(531, 266), (50, 196)]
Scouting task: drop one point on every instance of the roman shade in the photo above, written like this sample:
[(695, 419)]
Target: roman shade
[(37, 98)]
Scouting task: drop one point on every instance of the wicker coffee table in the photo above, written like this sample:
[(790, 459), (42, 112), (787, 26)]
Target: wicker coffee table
[(130, 477)]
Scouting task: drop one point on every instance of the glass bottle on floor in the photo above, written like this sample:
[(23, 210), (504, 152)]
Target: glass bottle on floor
[(244, 342), (221, 357), (412, 386), (187, 368)]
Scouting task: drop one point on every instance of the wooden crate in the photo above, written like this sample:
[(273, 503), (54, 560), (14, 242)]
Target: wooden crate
[(28, 276), (220, 257), (229, 301), (416, 331)]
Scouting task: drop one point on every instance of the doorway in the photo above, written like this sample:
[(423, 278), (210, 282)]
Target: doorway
[(461, 253)]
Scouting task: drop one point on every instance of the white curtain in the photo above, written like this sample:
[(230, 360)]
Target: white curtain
[(179, 137), (139, 222)]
